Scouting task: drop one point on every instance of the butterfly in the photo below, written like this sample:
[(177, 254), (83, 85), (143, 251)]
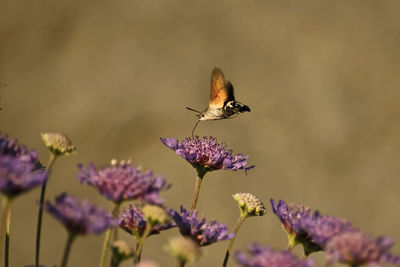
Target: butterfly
[(222, 103)]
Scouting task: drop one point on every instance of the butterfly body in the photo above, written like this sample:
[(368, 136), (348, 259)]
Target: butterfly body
[(222, 103)]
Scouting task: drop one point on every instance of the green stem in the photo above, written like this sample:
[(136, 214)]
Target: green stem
[(41, 204), (181, 263), (71, 238), (6, 206), (199, 178), (107, 238), (115, 214), (146, 233), (239, 222)]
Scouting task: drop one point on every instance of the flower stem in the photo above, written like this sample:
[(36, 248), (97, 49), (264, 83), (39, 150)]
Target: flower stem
[(115, 214), (71, 238), (139, 246), (40, 212), (239, 222), (6, 205), (199, 179), (107, 238), (181, 263)]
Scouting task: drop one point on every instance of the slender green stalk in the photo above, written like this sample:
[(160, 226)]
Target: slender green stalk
[(6, 206), (139, 246), (181, 263), (107, 238), (41, 204), (71, 238), (199, 178), (115, 214), (239, 222)]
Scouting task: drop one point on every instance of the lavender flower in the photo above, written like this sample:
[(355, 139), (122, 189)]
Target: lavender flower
[(323, 228), (122, 181), (264, 256), (80, 217), (132, 221), (356, 248), (18, 175), (293, 219), (207, 154), (201, 232)]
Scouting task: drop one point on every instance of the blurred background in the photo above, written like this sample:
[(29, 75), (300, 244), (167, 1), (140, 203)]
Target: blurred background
[(321, 77)]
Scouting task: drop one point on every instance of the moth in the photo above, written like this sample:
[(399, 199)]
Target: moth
[(222, 103)]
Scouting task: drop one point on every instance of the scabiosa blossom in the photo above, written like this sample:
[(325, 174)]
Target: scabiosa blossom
[(293, 219), (132, 221), (201, 232), (250, 204), (323, 228), (18, 175), (122, 181), (80, 217), (205, 153), (264, 256), (58, 143), (356, 248)]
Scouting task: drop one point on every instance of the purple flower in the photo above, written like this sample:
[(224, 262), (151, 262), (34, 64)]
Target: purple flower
[(265, 257), (80, 217), (356, 248), (132, 221), (18, 174), (206, 154), (201, 232), (122, 181), (323, 228), (293, 219), (10, 147)]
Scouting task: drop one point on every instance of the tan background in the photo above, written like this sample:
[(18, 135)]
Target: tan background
[(321, 77)]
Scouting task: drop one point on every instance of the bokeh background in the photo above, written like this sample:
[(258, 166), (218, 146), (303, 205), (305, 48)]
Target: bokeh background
[(321, 77)]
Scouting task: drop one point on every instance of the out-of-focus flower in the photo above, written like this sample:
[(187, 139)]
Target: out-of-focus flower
[(206, 154), (323, 228), (133, 221), (80, 217), (356, 248), (293, 219), (122, 181), (200, 231), (249, 204), (58, 143), (155, 214), (18, 175), (265, 257), (146, 263), (184, 248), (121, 251)]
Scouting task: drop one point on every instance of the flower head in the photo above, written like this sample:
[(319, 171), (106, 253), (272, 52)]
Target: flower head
[(293, 219), (323, 228), (264, 256), (80, 217), (155, 214), (18, 175), (133, 221), (122, 181), (10, 147), (356, 248), (121, 251), (200, 231), (206, 154), (184, 248), (58, 143), (250, 204)]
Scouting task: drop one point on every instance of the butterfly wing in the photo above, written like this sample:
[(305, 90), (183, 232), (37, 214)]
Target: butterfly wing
[(221, 91)]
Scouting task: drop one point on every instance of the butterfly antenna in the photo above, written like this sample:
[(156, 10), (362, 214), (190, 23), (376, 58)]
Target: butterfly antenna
[(195, 128), (193, 110)]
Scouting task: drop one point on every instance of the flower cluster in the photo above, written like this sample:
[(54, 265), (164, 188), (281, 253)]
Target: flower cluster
[(10, 147), (80, 217), (207, 154), (122, 181), (200, 231), (264, 256), (133, 221), (249, 204)]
